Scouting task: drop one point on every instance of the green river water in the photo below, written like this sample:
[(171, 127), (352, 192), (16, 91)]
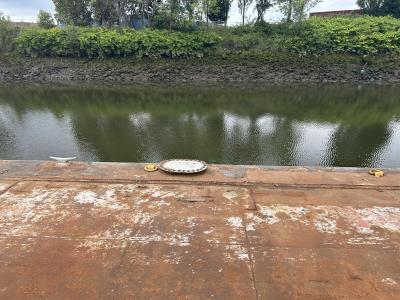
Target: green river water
[(351, 126)]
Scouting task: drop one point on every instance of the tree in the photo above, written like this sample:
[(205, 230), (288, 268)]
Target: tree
[(286, 7), (302, 7), (262, 6), (243, 6), (126, 10), (372, 7), (380, 7), (73, 12), (296, 9), (176, 14), (175, 11), (8, 33), (104, 11), (392, 7), (189, 8), (45, 20), (219, 10)]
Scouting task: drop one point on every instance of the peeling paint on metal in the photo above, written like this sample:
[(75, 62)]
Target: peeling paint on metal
[(3, 186), (389, 281), (25, 209), (252, 221), (236, 222), (107, 200), (273, 213), (230, 195), (325, 218), (234, 252), (367, 240), (323, 222)]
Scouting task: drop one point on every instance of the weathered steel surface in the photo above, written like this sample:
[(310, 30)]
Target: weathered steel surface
[(113, 231)]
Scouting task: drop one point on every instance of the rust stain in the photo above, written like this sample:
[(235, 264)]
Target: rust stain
[(77, 231)]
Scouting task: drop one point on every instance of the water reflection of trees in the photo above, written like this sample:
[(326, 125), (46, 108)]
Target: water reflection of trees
[(358, 146), (211, 139), (7, 142), (256, 127), (7, 137)]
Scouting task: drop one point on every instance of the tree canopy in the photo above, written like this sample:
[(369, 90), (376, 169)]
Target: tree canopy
[(381, 7), (219, 10), (45, 20), (261, 7), (243, 6), (296, 10), (73, 12)]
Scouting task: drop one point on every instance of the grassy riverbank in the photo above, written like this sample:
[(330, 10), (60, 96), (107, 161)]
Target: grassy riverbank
[(354, 36), (346, 49)]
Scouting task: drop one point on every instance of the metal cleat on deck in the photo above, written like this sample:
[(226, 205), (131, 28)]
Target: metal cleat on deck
[(62, 160)]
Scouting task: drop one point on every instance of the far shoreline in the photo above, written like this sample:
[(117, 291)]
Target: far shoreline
[(275, 70)]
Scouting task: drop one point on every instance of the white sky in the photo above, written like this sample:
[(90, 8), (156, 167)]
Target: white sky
[(27, 9)]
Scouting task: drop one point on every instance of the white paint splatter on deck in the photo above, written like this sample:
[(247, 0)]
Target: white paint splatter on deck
[(325, 223), (367, 240), (23, 211), (389, 281), (235, 222), (4, 186), (190, 221), (273, 213), (253, 221), (230, 195), (236, 252), (105, 200), (325, 218)]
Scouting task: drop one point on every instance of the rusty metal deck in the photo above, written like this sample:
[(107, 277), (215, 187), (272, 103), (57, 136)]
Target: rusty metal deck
[(113, 231)]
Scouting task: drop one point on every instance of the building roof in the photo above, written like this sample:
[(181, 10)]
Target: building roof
[(336, 13)]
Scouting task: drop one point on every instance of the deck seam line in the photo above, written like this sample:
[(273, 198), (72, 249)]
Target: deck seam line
[(250, 253), (392, 249), (5, 236), (253, 200), (210, 183), (9, 187)]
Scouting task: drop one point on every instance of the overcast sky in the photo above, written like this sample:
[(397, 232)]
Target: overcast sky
[(27, 9)]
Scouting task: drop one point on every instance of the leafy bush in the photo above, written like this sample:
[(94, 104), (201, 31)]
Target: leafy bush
[(8, 33), (341, 35), (360, 35), (122, 42)]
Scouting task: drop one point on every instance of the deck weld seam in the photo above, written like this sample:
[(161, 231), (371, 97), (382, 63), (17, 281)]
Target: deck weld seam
[(9, 187), (250, 253), (208, 183)]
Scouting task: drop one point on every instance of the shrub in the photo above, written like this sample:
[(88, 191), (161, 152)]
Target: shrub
[(351, 35), (340, 35), (8, 33), (45, 20), (102, 43)]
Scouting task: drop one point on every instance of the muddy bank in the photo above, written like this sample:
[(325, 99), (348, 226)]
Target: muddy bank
[(202, 71)]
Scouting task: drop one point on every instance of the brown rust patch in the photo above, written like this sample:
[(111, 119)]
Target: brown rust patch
[(97, 231)]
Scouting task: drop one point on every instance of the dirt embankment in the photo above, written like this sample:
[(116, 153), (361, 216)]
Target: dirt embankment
[(201, 71)]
